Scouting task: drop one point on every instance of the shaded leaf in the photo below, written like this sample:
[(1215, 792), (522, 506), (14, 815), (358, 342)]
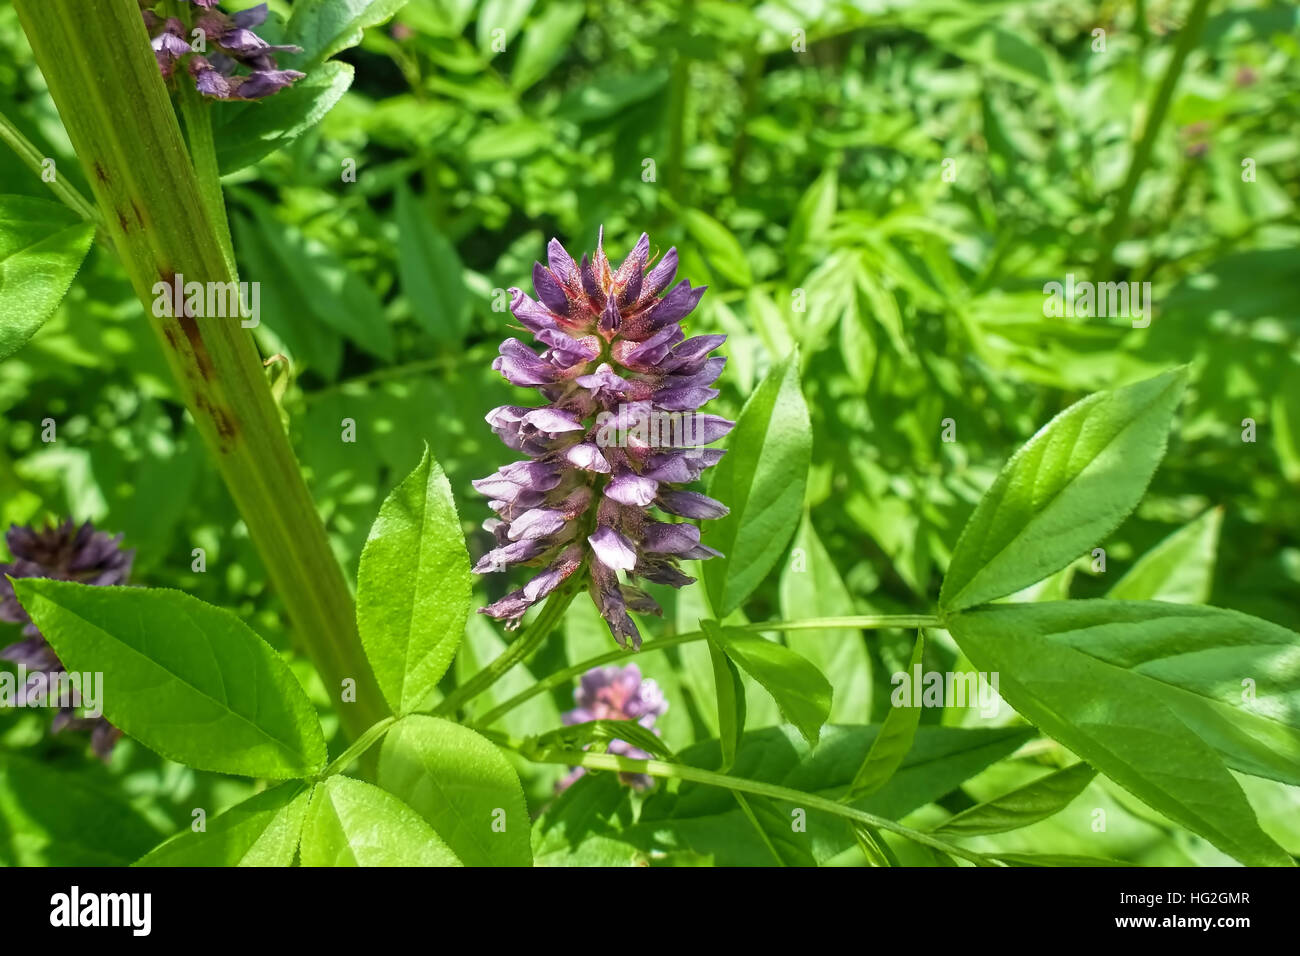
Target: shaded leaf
[(41, 247), (261, 831), (463, 786), (800, 690), (186, 679), (1035, 801), (761, 479)]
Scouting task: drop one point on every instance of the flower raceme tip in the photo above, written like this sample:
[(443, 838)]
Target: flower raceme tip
[(620, 432)]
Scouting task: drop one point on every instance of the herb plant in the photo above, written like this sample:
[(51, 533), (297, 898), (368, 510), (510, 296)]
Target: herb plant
[(900, 545)]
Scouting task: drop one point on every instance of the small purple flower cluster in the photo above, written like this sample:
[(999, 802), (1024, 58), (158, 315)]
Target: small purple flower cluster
[(614, 693), (620, 432), (66, 553), (233, 44)]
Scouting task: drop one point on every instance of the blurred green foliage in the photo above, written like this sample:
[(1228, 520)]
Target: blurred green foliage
[(795, 153)]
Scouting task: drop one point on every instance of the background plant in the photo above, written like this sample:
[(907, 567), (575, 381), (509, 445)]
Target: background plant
[(777, 174)]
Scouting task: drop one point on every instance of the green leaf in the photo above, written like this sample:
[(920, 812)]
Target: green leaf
[(545, 42), (504, 15), (770, 322), (894, 740), (439, 18), (761, 479), (1179, 569), (997, 48), (730, 692), (814, 590), (1286, 427), (787, 845), (707, 819), (874, 847), (244, 133), (857, 343), (719, 246), (49, 817), (800, 690), (186, 679), (350, 823), (325, 286), (1056, 859), (607, 95), (463, 786), (1234, 679), (41, 247), (261, 831), (324, 28), (413, 587), (1064, 491), (1034, 801), (581, 828), (298, 332), (1121, 721), (431, 273), (813, 216)]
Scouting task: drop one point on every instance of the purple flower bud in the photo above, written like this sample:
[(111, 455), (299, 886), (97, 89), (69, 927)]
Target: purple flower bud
[(619, 430), (265, 82), (691, 504), (252, 17), (629, 488), (612, 549), (64, 553), (658, 278), (210, 81), (233, 44)]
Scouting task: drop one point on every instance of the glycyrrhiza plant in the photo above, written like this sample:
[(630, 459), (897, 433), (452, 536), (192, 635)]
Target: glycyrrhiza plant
[(1163, 701), (1112, 680)]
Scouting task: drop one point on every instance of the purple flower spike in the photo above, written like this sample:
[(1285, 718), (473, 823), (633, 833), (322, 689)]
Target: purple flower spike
[(623, 386), (617, 693), (65, 553)]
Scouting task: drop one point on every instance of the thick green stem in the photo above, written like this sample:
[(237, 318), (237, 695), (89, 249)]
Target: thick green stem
[(120, 119), (1187, 38), (203, 150), (865, 622)]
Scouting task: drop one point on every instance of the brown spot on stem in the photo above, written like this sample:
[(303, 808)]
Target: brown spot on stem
[(223, 423), (123, 222), (139, 216), (226, 426), (190, 326), (99, 172)]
